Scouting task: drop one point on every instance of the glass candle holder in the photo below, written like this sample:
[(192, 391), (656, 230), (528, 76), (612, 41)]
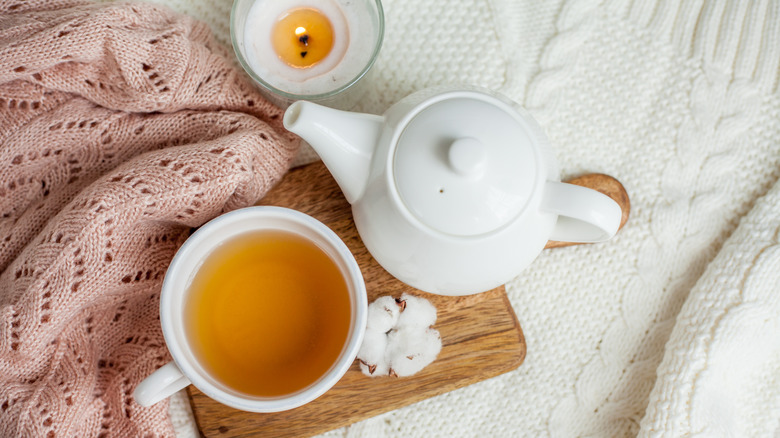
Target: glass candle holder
[(316, 50)]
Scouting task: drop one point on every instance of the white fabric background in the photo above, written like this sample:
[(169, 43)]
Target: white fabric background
[(680, 102)]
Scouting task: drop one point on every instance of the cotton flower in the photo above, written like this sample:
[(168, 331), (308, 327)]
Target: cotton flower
[(383, 314), (372, 353), (418, 312), (399, 339), (410, 349)]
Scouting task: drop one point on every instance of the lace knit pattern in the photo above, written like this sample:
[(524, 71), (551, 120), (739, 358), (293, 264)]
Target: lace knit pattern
[(122, 127)]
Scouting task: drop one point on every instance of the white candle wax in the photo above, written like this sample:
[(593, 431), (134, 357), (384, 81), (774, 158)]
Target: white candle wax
[(354, 41)]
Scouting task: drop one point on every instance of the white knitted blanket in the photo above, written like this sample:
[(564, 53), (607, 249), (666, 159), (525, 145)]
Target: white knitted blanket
[(672, 328)]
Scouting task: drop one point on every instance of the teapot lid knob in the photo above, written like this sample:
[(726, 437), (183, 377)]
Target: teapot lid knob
[(467, 156)]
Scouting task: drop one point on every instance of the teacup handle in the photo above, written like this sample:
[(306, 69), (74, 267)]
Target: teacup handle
[(584, 215), (160, 385)]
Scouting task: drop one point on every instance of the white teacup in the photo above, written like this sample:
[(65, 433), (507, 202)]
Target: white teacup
[(186, 369)]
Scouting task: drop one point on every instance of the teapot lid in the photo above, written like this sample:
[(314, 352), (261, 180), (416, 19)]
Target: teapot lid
[(466, 163)]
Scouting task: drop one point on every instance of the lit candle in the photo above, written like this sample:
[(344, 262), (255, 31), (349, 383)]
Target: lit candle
[(307, 48), (302, 37)]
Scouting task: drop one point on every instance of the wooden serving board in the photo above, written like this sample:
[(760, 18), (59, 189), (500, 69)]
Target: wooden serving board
[(480, 334)]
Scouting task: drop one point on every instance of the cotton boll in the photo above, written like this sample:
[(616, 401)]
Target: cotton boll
[(419, 312), (399, 339), (372, 353), (383, 314), (411, 349)]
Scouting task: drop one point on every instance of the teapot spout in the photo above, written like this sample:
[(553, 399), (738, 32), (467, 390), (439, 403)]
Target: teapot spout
[(344, 140)]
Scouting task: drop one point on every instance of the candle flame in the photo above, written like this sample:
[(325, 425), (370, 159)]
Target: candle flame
[(300, 30)]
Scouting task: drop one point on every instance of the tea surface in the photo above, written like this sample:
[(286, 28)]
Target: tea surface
[(268, 313)]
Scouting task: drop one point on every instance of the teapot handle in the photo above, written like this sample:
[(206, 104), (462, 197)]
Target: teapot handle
[(584, 215)]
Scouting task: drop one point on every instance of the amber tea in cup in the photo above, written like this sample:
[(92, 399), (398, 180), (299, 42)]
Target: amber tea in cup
[(263, 309), (267, 313)]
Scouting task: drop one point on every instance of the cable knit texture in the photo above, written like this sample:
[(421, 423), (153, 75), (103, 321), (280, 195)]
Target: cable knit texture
[(679, 101), (122, 127), (720, 375)]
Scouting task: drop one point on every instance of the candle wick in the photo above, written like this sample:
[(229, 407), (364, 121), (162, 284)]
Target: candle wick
[(304, 39)]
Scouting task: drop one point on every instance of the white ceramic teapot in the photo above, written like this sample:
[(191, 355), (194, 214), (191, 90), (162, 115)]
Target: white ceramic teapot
[(453, 191)]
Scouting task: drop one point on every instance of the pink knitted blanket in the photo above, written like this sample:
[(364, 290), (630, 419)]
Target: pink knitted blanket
[(122, 126)]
